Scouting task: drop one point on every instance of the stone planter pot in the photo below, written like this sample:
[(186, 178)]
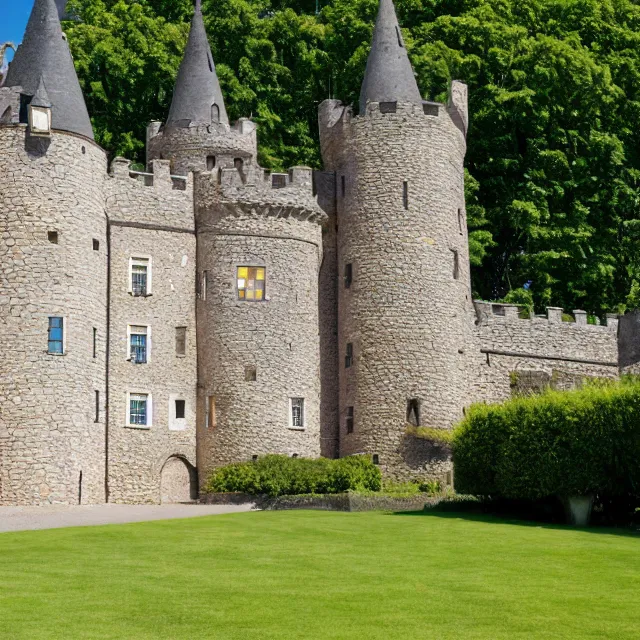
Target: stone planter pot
[(578, 510)]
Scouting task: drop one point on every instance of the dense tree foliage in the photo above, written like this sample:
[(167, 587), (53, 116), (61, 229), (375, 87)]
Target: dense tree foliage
[(553, 183)]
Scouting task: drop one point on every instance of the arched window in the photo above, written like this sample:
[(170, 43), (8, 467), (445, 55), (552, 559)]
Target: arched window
[(215, 113)]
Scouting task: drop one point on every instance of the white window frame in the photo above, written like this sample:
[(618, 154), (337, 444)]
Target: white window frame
[(149, 410), (304, 416), (177, 424), (139, 259), (130, 332)]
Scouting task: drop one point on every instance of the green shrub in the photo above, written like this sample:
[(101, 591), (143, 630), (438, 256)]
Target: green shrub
[(555, 444), (440, 436), (277, 475), (432, 487)]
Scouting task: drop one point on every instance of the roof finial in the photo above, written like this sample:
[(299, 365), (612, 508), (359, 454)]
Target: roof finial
[(197, 97), (44, 58), (389, 76)]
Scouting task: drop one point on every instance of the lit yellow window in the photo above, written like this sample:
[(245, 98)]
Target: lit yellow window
[(251, 283)]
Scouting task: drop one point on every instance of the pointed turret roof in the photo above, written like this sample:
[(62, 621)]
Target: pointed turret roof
[(44, 57), (389, 76), (197, 87)]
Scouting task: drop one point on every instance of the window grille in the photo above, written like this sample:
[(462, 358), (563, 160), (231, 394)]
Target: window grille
[(297, 412), (56, 335), (138, 409), (251, 283), (140, 277), (138, 345)]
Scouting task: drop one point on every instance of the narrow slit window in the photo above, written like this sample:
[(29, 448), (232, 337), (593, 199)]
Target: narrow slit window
[(348, 356), (413, 412), (95, 342), (405, 194), (376, 458), (181, 341), (456, 264), (349, 420), (215, 113), (460, 222), (97, 417), (348, 275), (203, 289), (297, 413), (96, 245), (400, 38), (343, 185), (56, 335), (251, 283), (138, 344), (210, 413), (180, 409)]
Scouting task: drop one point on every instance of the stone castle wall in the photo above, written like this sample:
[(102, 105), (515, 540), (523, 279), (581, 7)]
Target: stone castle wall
[(52, 443), (407, 315), (152, 221), (513, 355), (276, 337)]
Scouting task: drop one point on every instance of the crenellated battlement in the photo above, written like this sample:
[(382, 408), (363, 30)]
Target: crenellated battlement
[(488, 311), (159, 178)]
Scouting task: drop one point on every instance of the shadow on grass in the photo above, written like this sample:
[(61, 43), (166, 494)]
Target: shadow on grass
[(496, 519)]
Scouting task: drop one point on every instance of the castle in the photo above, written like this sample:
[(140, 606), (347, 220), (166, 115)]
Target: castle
[(158, 324)]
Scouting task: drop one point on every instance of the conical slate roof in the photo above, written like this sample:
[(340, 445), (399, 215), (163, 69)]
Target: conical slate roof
[(389, 76), (197, 98), (44, 56)]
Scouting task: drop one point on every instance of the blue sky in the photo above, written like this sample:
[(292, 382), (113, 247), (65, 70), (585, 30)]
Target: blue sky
[(15, 14)]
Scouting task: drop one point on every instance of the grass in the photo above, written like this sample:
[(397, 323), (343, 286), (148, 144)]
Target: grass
[(303, 574)]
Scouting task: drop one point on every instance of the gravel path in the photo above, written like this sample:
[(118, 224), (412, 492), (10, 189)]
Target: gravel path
[(56, 516)]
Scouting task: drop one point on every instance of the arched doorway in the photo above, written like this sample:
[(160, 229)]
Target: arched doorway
[(178, 481)]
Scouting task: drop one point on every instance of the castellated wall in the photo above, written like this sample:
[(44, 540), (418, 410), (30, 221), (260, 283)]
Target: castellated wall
[(189, 147), (278, 230), (407, 314), (514, 355), (51, 446), (325, 184), (151, 218)]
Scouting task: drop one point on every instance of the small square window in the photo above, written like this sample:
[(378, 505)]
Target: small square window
[(376, 458), (53, 237), (140, 276), (180, 409), (96, 245), (348, 356), (139, 410), (348, 275), (181, 341), (250, 374), (251, 283), (349, 420), (138, 344), (56, 335), (297, 413)]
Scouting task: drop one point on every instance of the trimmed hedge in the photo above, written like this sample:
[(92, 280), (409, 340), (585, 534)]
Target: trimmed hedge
[(555, 444), (279, 475)]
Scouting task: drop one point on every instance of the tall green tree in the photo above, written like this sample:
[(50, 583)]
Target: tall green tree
[(553, 180)]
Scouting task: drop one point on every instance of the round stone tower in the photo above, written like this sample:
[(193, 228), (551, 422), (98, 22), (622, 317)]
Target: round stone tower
[(259, 249), (404, 302), (53, 278)]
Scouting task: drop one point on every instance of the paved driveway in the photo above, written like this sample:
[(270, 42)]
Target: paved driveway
[(56, 516)]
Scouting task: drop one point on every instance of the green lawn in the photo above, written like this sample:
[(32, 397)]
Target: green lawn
[(303, 574)]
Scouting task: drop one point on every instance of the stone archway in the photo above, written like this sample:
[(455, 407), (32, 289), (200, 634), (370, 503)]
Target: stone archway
[(177, 481)]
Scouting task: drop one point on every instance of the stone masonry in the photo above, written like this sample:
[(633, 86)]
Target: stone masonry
[(364, 326)]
